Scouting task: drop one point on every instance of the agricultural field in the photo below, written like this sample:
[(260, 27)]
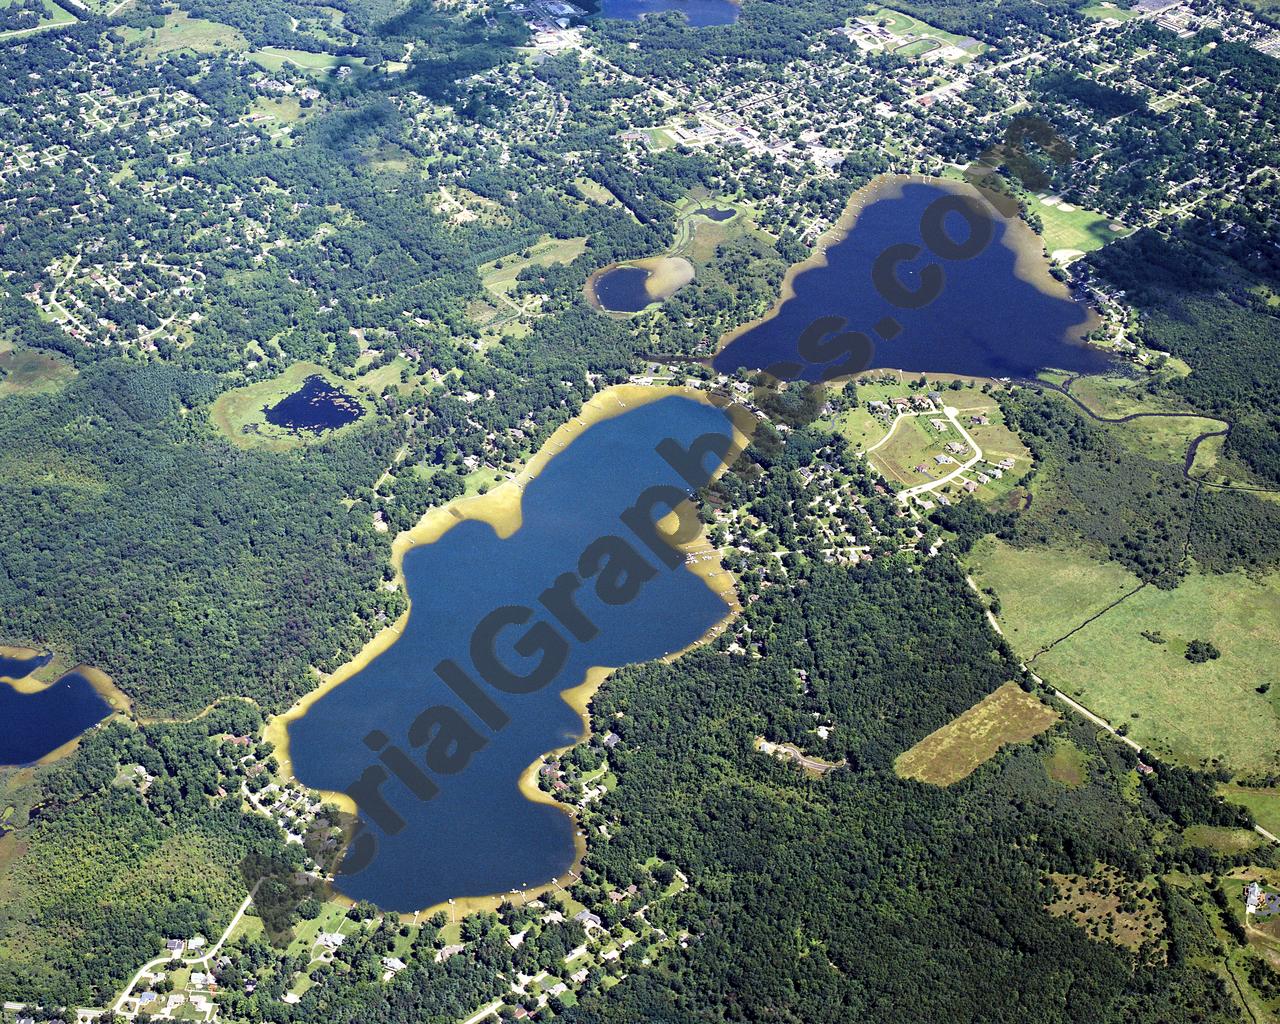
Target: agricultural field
[(954, 752), (181, 32), (53, 17), (1043, 593), (1130, 666)]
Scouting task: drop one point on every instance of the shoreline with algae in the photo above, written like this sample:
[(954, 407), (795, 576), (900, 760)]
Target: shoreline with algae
[(501, 509), (1027, 247), (50, 674), (667, 275)]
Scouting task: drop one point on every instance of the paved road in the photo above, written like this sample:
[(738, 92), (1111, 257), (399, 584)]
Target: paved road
[(188, 961), (932, 485)]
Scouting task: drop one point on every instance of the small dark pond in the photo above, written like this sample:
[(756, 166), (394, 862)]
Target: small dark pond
[(34, 724), (316, 406), (719, 214), (622, 289)]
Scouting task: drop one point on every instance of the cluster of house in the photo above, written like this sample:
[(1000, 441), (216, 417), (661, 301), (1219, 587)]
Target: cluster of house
[(275, 87), (918, 403), (547, 15)]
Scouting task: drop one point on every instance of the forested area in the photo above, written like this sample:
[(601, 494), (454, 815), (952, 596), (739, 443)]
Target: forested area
[(1203, 296), (862, 896), (1092, 488), (108, 870), (139, 540)]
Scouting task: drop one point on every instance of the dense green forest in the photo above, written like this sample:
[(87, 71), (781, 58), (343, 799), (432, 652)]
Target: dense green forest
[(211, 552), (1143, 512), (107, 872)]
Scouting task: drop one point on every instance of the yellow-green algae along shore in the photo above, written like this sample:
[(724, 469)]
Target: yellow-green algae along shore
[(501, 509), (1027, 247), (667, 275), (49, 674)]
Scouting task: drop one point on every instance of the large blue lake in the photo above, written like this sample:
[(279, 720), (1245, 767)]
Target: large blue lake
[(35, 724), (477, 834), (986, 321)]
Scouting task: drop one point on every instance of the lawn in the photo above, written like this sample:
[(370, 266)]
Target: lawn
[(952, 753), (238, 413), (181, 32), (1195, 713), (919, 37), (1070, 231), (1044, 592)]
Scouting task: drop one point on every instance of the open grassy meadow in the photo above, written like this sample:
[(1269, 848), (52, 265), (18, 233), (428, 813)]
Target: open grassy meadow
[(25, 371), (949, 754), (54, 17), (499, 276), (182, 32), (317, 65), (1263, 802), (1196, 713), (1067, 764), (1044, 592), (1109, 10)]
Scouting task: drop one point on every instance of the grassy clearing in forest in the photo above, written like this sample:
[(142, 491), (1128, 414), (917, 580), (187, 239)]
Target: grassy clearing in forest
[(949, 754)]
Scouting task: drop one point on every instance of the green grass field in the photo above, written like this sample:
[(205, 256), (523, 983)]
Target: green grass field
[(500, 279), (1067, 764), (915, 441), (1263, 803), (54, 17), (1044, 593), (1195, 713), (1222, 840), (318, 65), (181, 32), (1100, 11), (1075, 230), (919, 37)]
